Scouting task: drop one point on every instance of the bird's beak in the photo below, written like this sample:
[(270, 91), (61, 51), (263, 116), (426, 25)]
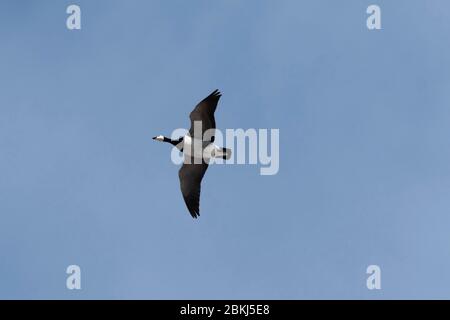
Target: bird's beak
[(158, 138)]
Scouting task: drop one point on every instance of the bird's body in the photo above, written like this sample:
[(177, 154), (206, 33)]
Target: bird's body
[(198, 149)]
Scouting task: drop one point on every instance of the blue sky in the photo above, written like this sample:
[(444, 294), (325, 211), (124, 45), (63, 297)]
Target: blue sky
[(364, 149)]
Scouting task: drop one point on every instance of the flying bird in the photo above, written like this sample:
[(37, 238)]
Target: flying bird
[(198, 148)]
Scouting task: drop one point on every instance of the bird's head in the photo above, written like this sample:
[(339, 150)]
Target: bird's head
[(159, 138)]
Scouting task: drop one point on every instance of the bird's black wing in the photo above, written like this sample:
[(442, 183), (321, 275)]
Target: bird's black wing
[(191, 176), (204, 112)]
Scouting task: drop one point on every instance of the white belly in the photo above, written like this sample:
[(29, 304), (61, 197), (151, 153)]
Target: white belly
[(194, 148)]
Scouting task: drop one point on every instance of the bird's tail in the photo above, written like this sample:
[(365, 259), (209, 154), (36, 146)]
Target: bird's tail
[(223, 153)]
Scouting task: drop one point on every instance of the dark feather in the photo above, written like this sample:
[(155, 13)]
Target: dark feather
[(191, 176), (204, 112)]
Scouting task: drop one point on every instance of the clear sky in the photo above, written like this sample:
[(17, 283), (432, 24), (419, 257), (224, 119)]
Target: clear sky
[(364, 119)]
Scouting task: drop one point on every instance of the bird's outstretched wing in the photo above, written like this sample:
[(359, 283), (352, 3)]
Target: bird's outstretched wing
[(204, 112), (191, 176)]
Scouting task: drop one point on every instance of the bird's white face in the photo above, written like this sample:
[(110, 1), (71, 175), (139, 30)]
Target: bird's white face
[(159, 138)]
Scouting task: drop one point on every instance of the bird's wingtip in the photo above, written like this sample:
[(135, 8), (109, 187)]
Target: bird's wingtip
[(195, 214)]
